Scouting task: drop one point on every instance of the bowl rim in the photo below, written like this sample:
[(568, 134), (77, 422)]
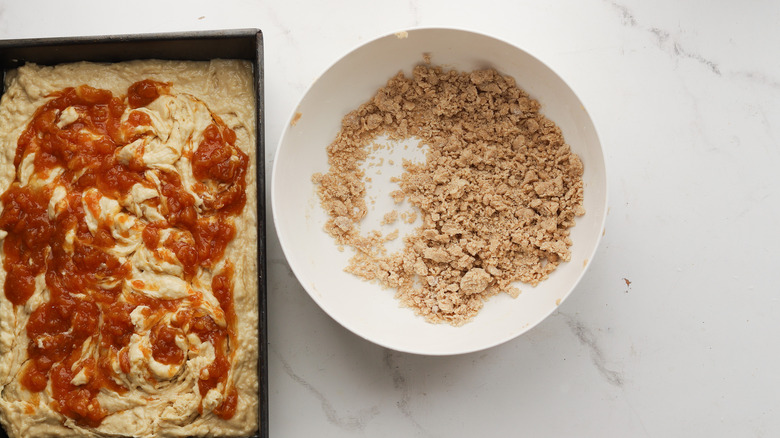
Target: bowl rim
[(321, 302)]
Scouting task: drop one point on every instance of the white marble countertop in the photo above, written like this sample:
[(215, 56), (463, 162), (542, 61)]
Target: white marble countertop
[(672, 332)]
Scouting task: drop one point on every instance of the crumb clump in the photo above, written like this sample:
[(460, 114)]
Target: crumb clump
[(390, 218), (295, 119), (497, 193)]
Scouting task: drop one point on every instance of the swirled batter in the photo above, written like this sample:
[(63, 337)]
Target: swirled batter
[(126, 212)]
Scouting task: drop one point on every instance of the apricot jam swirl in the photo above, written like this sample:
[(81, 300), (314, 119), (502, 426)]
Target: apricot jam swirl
[(117, 227)]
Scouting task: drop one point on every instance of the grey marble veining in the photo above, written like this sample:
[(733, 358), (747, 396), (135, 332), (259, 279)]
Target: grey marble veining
[(588, 338)]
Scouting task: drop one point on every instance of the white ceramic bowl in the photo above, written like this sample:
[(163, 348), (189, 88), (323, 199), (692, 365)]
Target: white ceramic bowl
[(365, 308)]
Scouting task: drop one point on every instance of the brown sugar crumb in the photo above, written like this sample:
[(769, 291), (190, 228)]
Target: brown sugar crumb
[(295, 119), (497, 193), (409, 217), (475, 281), (390, 218)]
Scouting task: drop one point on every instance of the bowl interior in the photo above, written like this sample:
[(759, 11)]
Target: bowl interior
[(366, 308)]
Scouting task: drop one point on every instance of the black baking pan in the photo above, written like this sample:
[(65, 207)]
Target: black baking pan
[(195, 46)]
